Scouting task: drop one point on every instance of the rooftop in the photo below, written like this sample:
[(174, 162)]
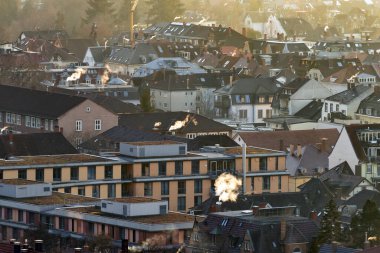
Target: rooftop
[(17, 181), (149, 143), (134, 200), (56, 198), (250, 151)]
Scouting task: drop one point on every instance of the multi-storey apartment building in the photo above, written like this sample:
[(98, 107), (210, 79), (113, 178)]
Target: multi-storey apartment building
[(160, 170), (28, 205)]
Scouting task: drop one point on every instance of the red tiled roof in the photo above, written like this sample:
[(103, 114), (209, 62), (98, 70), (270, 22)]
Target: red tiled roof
[(271, 140)]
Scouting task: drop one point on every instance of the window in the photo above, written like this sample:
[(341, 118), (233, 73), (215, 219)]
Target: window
[(198, 186), (148, 187), (197, 200), (61, 223), (279, 183), (331, 107), (56, 174), (181, 187), (263, 163), (91, 173), (20, 216), (78, 125), (297, 250), (179, 167), (81, 190), (261, 99), (165, 188), (337, 107), (111, 191), (95, 191), (195, 167), (22, 174), (162, 168), (162, 209), (270, 99), (98, 124), (260, 114), (181, 204), (369, 168), (268, 113), (27, 121), (40, 174), (145, 169), (74, 173), (67, 190), (252, 184), (326, 107), (266, 183), (108, 172), (242, 114)]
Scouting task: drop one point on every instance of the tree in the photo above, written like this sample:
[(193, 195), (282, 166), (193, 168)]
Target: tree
[(100, 243), (100, 13), (330, 226), (123, 16), (368, 221), (60, 21), (163, 10), (145, 103)]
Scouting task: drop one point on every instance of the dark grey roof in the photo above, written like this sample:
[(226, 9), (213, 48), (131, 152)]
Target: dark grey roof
[(360, 198), (100, 53), (345, 97), (78, 47), (210, 140), (34, 144), (38, 103), (46, 34), (296, 26), (372, 103), (312, 111), (329, 248), (108, 140), (254, 86), (140, 54), (113, 104)]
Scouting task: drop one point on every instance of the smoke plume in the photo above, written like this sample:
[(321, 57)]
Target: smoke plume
[(181, 123), (227, 187), (76, 75)]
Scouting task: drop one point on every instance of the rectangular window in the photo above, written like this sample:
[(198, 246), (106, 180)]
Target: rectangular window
[(95, 191), (179, 167), (91, 172), (279, 183), (57, 174), (181, 187), (181, 206), (20, 216), (261, 99), (1, 117), (91, 227), (195, 167), (263, 163), (108, 172), (162, 168), (32, 218), (242, 114), (9, 214), (145, 169), (162, 209), (98, 124), (260, 114), (67, 190), (198, 186), (46, 124), (337, 107), (111, 191), (148, 187), (78, 125), (40, 175), (74, 173), (61, 223), (22, 174), (81, 190), (197, 200), (8, 117), (326, 107), (165, 188), (331, 107), (268, 113), (266, 183)]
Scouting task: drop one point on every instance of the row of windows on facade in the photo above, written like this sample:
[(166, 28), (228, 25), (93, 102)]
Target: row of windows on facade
[(246, 99), (165, 187), (369, 111), (79, 125), (165, 94), (243, 114), (22, 215), (332, 108), (29, 121), (165, 105)]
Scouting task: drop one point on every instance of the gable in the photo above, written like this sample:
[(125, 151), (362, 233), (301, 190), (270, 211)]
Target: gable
[(311, 90)]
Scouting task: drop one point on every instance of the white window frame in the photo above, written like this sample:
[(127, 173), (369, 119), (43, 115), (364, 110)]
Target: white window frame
[(27, 121), (78, 125), (98, 124)]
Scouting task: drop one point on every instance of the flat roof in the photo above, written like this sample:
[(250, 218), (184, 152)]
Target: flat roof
[(250, 151), (56, 198), (134, 200), (17, 181), (148, 143), (171, 217), (52, 160)]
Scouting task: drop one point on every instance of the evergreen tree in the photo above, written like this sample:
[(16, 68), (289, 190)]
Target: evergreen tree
[(330, 226), (163, 10), (98, 8), (60, 21), (368, 221)]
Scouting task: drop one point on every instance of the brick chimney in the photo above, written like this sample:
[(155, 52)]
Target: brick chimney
[(291, 149), (313, 215), (255, 210), (299, 150), (324, 146), (281, 145)]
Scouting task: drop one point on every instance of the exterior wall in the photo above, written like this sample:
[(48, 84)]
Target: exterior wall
[(343, 151), (295, 182), (174, 100), (234, 112), (264, 108), (365, 119), (67, 122), (123, 69)]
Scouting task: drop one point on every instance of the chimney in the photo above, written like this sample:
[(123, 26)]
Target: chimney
[(319, 146), (299, 150), (282, 229), (255, 210), (231, 79), (313, 215), (38, 245), (324, 146), (291, 149), (77, 250), (265, 36), (244, 31)]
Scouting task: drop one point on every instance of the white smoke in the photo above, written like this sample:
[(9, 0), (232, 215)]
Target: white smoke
[(157, 124), (181, 123), (76, 75), (227, 187)]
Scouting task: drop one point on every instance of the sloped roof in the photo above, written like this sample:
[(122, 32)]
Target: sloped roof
[(37, 103), (35, 144), (113, 104), (100, 53), (356, 143), (329, 248), (140, 54), (210, 140), (253, 86), (195, 122), (272, 139), (296, 26), (312, 111), (46, 34), (78, 47), (345, 97)]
